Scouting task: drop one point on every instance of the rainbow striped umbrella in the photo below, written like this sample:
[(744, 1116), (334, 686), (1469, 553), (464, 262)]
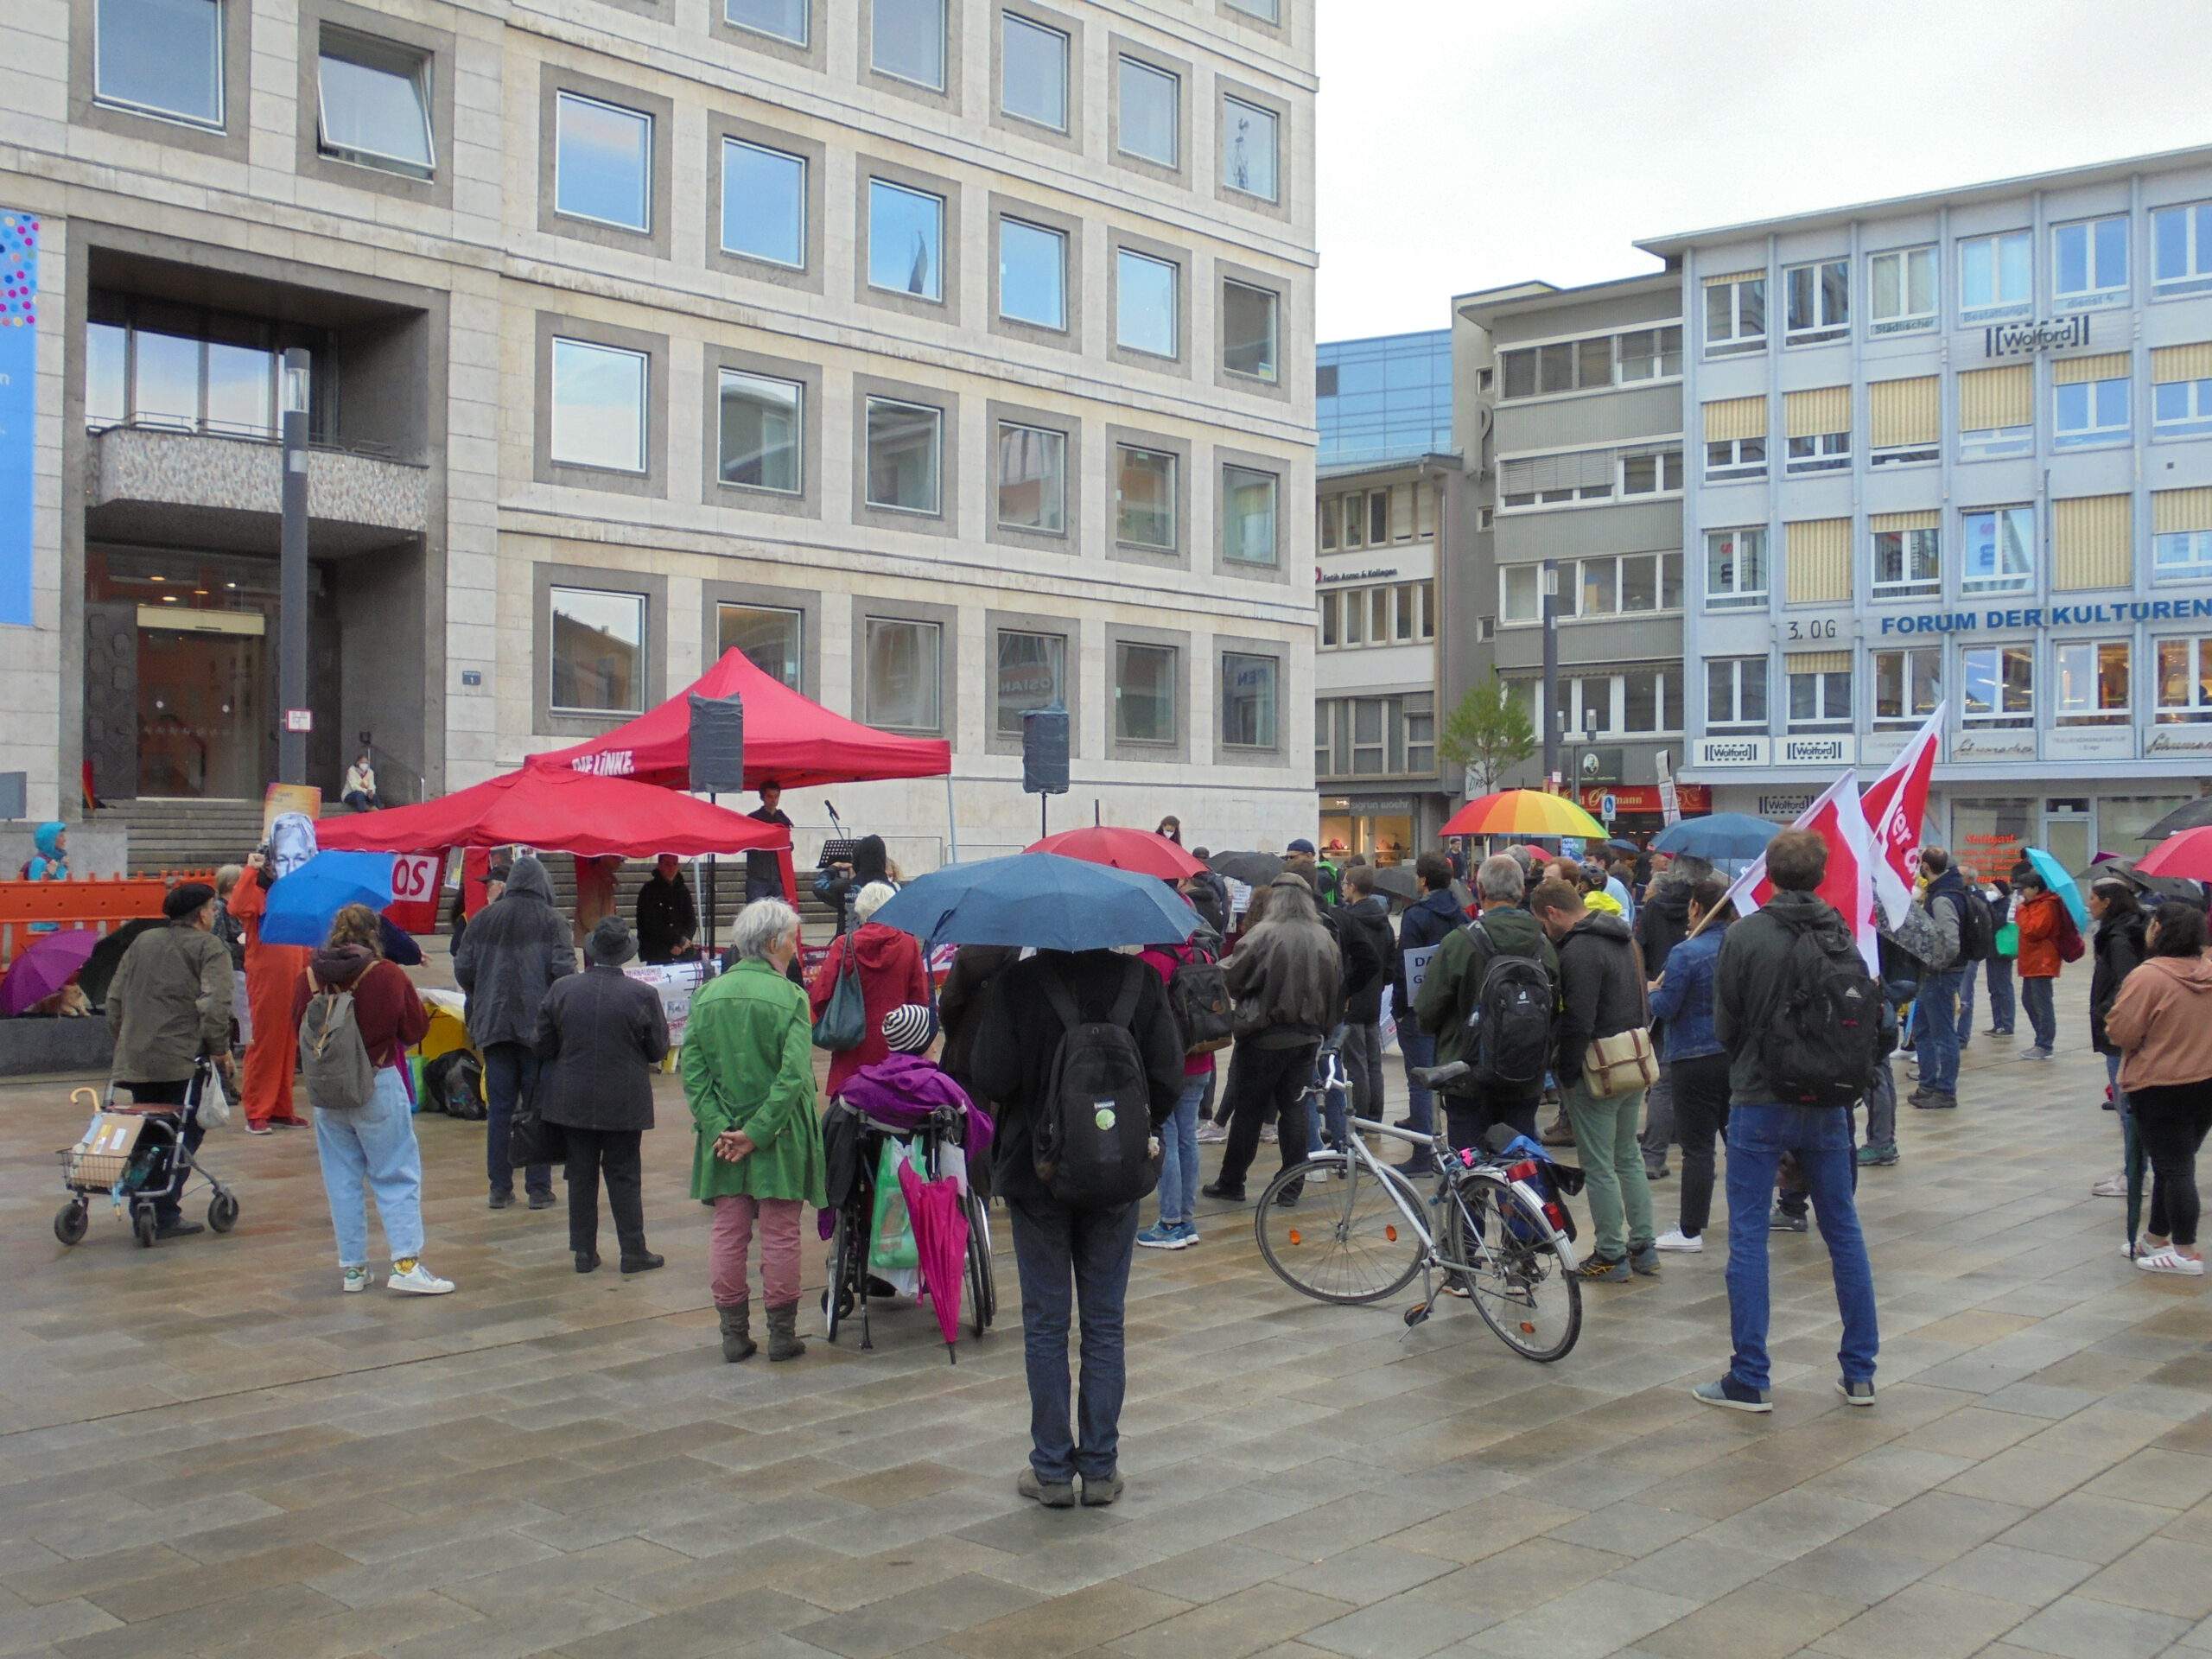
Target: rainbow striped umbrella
[(1524, 812)]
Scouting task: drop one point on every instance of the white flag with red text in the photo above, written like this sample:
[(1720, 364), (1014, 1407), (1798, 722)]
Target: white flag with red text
[(1848, 886), (1895, 806)]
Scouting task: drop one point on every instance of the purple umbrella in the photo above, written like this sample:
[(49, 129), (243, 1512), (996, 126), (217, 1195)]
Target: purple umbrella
[(940, 1245), (44, 966)]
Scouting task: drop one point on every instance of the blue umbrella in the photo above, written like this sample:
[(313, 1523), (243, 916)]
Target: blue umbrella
[(1041, 899), (2056, 878), (302, 904), (1720, 836)]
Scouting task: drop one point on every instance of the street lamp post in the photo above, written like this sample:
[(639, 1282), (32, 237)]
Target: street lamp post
[(292, 574)]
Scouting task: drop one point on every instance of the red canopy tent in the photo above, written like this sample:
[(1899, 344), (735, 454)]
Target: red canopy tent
[(554, 810), (789, 739)]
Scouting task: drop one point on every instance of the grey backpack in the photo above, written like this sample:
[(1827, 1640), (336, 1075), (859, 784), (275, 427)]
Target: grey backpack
[(334, 1060)]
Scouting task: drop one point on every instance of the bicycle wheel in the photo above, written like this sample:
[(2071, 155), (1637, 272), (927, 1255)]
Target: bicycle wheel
[(1514, 1275), (1343, 1239)]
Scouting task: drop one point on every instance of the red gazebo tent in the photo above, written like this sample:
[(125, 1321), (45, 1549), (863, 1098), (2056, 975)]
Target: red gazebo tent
[(789, 739), (555, 810)]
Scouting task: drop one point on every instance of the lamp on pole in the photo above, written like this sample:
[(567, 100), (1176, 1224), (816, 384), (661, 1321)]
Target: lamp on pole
[(292, 575)]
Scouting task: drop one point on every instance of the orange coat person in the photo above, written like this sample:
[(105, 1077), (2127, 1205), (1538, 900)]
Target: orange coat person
[(271, 972), (2041, 916)]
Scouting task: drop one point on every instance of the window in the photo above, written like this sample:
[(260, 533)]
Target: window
[(1996, 276), (1997, 412), (1735, 692), (1735, 314), (1249, 318), (1248, 161), (1247, 515), (1145, 304), (1520, 593), (1568, 366), (1597, 586), (1267, 10), (2184, 666), (905, 240), (599, 406), (1031, 674), (598, 652), (1988, 443), (1355, 604), (1999, 685), (1248, 700), (1149, 124), (1325, 739), (785, 20), (2182, 555), (764, 204), (1144, 497), (1033, 82), (908, 41), (2093, 682), (1907, 684), (2089, 263), (1905, 420), (905, 444), (762, 422), (1416, 606), (2090, 412), (2181, 409), (1901, 290), (1378, 518), (1908, 562), (1820, 302), (1032, 272), (1650, 354), (107, 358), (2181, 250), (1820, 692), (1327, 602), (1332, 516), (1144, 692), (1618, 585), (1651, 700), (603, 162), (1728, 458), (772, 639), (1823, 452), (374, 104), (1999, 550), (1033, 492), (903, 673), (1657, 473), (1735, 569), (161, 57)]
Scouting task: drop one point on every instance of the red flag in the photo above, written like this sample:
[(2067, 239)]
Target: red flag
[(1896, 805), (1847, 886)]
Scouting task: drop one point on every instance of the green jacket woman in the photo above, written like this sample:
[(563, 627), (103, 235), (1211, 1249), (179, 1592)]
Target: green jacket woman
[(748, 1065)]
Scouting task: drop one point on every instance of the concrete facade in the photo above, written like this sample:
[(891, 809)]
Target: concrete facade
[(439, 298)]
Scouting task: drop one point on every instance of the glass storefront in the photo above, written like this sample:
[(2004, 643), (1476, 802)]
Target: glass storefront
[(1988, 836), (1381, 831)]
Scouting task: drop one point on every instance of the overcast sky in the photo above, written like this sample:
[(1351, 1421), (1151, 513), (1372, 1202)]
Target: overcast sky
[(1468, 143)]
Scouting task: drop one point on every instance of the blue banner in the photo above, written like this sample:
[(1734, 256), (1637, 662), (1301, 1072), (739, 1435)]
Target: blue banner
[(18, 410)]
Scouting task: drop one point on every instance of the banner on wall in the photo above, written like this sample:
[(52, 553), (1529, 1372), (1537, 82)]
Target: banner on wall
[(18, 410)]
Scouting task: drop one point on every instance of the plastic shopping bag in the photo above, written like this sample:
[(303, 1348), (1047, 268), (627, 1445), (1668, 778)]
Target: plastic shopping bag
[(214, 1100), (890, 1234)]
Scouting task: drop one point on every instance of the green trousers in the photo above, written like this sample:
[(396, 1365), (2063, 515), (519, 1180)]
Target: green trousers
[(1613, 1168)]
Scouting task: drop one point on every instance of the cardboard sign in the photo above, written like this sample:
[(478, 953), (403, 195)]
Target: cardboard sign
[(101, 1159), (676, 983), (1417, 960), (1239, 896), (415, 881)]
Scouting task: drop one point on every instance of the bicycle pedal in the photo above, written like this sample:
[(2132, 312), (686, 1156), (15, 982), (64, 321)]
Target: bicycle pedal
[(1418, 1313)]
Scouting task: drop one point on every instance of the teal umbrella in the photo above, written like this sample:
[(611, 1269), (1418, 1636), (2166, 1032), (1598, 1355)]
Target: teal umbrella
[(2056, 878)]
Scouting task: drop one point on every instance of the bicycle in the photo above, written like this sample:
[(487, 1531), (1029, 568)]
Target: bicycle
[(1497, 1238)]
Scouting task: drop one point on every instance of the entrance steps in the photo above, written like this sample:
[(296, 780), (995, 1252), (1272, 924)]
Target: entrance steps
[(184, 835)]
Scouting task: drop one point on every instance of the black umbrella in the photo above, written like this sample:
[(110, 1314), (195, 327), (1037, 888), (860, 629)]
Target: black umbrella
[(2158, 886), (1253, 869), (1397, 882), (2194, 816), (107, 956)]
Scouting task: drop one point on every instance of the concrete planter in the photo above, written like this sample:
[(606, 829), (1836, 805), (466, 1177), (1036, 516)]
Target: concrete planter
[(41, 1043)]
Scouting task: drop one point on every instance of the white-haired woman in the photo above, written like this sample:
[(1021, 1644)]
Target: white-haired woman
[(890, 966), (749, 1074)]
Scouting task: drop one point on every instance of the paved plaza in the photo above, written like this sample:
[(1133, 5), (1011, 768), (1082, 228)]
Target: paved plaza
[(206, 1450)]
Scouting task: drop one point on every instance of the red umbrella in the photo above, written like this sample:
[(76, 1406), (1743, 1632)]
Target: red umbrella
[(2188, 854), (44, 966), (1139, 851), (940, 1245), (553, 809)]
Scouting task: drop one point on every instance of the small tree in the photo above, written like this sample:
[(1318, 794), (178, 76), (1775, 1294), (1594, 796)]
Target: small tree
[(1488, 734)]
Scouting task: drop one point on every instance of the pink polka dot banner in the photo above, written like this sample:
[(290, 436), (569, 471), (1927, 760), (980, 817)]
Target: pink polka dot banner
[(19, 234)]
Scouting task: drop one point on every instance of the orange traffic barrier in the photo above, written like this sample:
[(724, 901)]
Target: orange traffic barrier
[(102, 904)]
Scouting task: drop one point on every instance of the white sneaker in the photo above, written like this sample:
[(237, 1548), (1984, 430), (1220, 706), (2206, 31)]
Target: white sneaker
[(417, 1281), (2112, 1187), (356, 1280), (1268, 1136), (2171, 1260), (2035, 1054), (1678, 1240), (1212, 1135)]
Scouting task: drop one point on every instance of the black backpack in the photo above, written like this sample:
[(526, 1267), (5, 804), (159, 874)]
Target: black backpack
[(1510, 1027), (1819, 1047), (1093, 1130), (1197, 994), (1977, 926)]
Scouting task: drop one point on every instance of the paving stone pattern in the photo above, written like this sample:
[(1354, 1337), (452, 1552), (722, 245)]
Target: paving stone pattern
[(206, 1450)]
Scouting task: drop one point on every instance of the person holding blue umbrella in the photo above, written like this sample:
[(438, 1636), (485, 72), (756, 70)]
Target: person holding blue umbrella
[(2045, 923)]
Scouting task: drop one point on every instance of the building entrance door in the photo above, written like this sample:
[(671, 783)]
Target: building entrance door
[(2066, 833), (203, 706)]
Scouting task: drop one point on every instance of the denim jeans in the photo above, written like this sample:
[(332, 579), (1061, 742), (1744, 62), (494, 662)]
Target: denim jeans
[(1757, 1137), (1331, 1102), (2042, 1019), (1936, 1031), (1613, 1168), (509, 1073), (1073, 1260), (371, 1150), (1179, 1148), (1881, 1106), (1658, 1120), (1417, 1050), (1997, 971)]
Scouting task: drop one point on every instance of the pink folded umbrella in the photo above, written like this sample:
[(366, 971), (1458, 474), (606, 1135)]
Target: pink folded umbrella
[(940, 1245), (44, 966)]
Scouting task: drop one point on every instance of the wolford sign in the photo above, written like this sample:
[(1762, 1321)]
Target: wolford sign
[(2025, 339), (2054, 616)]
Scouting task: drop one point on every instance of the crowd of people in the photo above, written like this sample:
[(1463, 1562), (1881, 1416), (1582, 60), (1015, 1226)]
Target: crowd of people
[(1625, 989)]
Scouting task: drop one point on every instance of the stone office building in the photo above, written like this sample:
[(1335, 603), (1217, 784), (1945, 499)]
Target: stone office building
[(945, 355)]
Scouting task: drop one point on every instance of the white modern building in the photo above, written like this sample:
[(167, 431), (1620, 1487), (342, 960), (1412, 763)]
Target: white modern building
[(947, 356)]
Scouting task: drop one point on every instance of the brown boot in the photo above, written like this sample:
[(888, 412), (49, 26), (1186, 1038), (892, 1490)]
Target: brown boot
[(737, 1332), (782, 1332)]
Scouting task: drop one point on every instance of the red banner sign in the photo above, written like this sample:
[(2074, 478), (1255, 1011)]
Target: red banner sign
[(1697, 798)]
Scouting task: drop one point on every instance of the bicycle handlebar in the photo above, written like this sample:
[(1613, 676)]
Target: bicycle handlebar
[(1430, 1076)]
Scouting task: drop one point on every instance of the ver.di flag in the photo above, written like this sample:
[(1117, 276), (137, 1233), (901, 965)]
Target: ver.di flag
[(1896, 805), (1837, 818)]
